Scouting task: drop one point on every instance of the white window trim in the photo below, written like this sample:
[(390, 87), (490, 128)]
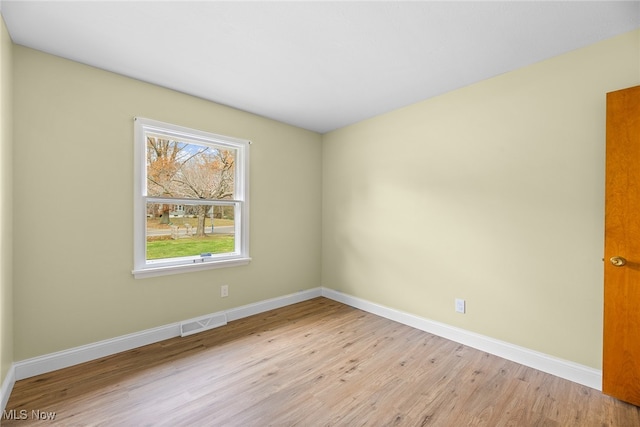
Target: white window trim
[(143, 268)]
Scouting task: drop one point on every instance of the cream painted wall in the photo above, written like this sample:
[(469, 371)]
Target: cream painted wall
[(73, 135), (6, 192), (493, 193)]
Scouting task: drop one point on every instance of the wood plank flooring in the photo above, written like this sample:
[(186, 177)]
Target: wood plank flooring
[(316, 363)]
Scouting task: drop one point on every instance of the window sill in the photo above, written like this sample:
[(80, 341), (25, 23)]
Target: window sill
[(186, 268)]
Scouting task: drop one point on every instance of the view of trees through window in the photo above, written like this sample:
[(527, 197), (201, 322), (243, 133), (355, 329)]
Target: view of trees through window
[(202, 180)]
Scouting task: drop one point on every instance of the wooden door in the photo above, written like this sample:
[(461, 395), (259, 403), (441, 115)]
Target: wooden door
[(621, 357)]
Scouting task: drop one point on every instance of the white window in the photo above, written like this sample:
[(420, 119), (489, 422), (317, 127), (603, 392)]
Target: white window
[(191, 199)]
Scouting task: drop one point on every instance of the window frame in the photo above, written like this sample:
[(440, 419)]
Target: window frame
[(148, 268)]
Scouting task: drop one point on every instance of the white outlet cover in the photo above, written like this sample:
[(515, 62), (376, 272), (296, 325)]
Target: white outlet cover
[(460, 306)]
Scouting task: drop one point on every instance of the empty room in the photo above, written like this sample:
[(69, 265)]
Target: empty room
[(317, 213)]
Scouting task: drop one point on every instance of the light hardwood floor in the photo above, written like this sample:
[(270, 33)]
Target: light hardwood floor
[(316, 363)]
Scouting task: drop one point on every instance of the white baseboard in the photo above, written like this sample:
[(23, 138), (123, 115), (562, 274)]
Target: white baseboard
[(272, 304), (74, 356), (7, 386), (568, 370), (62, 359), (562, 368)]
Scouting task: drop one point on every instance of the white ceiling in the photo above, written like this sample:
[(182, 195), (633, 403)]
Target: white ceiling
[(319, 65)]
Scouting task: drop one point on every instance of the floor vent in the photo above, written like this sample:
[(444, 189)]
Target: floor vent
[(204, 323)]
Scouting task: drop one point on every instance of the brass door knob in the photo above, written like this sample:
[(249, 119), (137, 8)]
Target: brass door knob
[(618, 261)]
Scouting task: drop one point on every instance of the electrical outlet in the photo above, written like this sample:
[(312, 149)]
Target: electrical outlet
[(460, 306), (224, 291)]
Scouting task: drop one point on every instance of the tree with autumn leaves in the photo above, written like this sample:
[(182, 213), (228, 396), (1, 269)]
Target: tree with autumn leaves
[(177, 169)]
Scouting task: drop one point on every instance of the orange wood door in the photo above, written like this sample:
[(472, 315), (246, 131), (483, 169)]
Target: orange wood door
[(621, 357)]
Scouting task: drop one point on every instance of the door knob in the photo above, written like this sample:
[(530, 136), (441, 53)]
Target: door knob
[(618, 261)]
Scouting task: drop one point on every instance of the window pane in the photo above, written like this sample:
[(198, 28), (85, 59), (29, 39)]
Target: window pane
[(188, 170), (188, 230), (191, 205)]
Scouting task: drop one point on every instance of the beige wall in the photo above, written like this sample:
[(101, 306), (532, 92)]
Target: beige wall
[(493, 193), (73, 177), (6, 192)]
